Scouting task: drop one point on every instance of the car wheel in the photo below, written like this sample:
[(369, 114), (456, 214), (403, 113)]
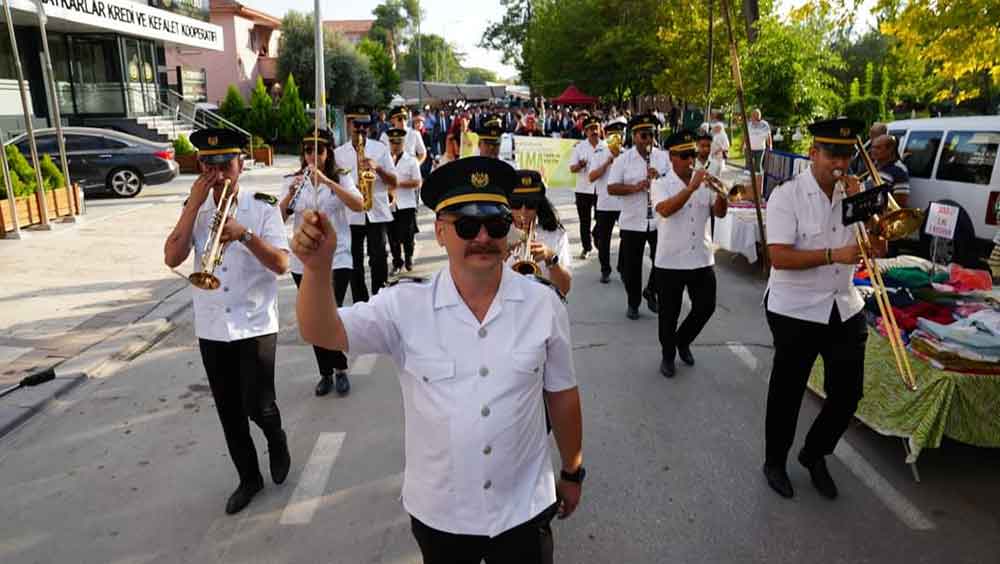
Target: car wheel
[(125, 182)]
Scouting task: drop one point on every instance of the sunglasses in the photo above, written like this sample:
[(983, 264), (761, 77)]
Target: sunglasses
[(467, 227), (685, 155), (518, 204), (643, 134), (309, 149)]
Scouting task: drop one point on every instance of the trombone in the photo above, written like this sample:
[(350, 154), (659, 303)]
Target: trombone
[(226, 208), (896, 224)]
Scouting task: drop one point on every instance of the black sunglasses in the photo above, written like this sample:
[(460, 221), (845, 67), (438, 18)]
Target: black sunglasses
[(467, 227), (685, 155), (518, 204), (643, 134), (309, 149)]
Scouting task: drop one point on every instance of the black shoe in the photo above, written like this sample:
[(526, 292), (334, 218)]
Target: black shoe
[(395, 270), (242, 496), (408, 265), (650, 296), (325, 385), (685, 354), (821, 478), (281, 459), (667, 368), (632, 313), (777, 478), (605, 278), (583, 255), (343, 384)]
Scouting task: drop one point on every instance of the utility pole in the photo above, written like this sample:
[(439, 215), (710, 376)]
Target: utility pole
[(420, 62), (711, 61)]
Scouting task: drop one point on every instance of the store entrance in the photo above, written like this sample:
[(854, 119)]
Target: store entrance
[(140, 75)]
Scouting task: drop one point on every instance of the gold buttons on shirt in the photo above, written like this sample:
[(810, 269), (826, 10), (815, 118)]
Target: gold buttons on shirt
[(227, 310), (483, 371), (485, 411), (488, 484), (487, 450)]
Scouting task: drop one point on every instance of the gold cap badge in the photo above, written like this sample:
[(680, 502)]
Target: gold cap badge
[(479, 179), (213, 141), (845, 131)]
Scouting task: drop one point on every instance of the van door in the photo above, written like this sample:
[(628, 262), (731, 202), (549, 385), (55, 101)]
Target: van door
[(919, 156), (966, 167)]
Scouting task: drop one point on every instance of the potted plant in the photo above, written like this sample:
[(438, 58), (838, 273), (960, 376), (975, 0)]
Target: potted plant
[(186, 155), (261, 151), (58, 199)]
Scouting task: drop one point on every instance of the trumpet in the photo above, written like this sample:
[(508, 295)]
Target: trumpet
[(717, 185), (615, 143), (366, 176), (226, 208), (524, 263)]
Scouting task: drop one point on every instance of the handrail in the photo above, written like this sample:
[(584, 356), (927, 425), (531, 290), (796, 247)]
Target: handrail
[(185, 110)]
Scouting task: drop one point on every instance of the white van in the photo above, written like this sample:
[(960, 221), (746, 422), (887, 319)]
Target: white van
[(954, 159)]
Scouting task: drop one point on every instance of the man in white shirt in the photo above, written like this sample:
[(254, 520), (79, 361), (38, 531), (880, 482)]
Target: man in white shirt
[(760, 141), (481, 351), (813, 308), (413, 143), (684, 255), (408, 181), (703, 151), (608, 207), (586, 196), (236, 306), (631, 176), (368, 227)]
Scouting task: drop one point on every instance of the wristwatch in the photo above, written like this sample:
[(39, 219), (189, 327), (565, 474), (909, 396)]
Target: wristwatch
[(575, 477), (552, 261), (246, 236)]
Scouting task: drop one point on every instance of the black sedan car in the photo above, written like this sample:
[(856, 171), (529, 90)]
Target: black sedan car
[(105, 160)]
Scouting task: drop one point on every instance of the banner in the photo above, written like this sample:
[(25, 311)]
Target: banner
[(548, 156)]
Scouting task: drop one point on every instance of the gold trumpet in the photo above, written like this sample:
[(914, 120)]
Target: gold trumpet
[(720, 187), (525, 264), (226, 208), (366, 176), (614, 142)]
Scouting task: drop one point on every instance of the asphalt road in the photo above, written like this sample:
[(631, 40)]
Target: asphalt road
[(132, 468)]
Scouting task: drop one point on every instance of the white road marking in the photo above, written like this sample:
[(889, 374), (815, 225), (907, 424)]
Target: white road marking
[(890, 496), (312, 482), (745, 356), (9, 354), (363, 365)]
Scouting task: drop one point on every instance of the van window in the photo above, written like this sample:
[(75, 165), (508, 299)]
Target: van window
[(921, 148), (968, 156), (898, 135)]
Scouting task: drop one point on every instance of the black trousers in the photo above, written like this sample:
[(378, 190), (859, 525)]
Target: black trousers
[(797, 343), (605, 225), (670, 286), (584, 206), (374, 234), (330, 361), (631, 248), (241, 376), (401, 232), (527, 543)]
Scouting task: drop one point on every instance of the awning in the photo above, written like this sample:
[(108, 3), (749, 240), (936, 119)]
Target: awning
[(445, 92), (572, 96)]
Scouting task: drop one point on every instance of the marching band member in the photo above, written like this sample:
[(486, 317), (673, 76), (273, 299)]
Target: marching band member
[(481, 350), (702, 158), (586, 197), (549, 243), (631, 176), (237, 323), (335, 195), (813, 308), (368, 226), (608, 207), (489, 139), (684, 202), (405, 215), (413, 143)]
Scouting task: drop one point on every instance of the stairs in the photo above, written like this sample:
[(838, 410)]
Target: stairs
[(164, 128)]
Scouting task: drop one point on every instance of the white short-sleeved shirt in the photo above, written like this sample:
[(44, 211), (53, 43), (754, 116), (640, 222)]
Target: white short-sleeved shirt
[(334, 208), (630, 168), (800, 214), (720, 144), (583, 152), (605, 201), (407, 169), (683, 240), (246, 303), (347, 157), (558, 241), (413, 144), (477, 456), (759, 132)]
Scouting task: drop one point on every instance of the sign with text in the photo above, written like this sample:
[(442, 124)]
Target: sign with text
[(862, 206), (941, 221), (132, 18), (548, 156)]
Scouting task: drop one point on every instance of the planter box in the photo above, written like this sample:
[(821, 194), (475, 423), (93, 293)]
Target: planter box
[(263, 155), (60, 203), (188, 163)]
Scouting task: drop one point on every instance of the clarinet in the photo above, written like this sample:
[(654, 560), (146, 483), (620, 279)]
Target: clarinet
[(649, 192), (298, 191)]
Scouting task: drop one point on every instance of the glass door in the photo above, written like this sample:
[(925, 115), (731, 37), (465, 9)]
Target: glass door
[(140, 73), (96, 75)]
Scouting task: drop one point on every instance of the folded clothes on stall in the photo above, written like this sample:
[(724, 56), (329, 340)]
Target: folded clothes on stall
[(978, 343), (986, 320), (968, 279), (945, 360), (912, 277)]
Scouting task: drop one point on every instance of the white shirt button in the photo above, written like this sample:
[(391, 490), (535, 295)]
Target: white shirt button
[(485, 411), (483, 371), (488, 484), (482, 333)]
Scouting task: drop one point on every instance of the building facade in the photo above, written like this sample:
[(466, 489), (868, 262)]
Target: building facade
[(352, 30)]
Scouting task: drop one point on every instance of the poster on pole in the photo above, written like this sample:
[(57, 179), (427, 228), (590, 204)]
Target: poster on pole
[(942, 220), (548, 156)]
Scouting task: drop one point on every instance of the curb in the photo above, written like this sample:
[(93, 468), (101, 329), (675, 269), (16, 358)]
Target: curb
[(100, 360)]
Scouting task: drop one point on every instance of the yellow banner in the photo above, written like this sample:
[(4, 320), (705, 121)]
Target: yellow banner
[(548, 156), (470, 144)]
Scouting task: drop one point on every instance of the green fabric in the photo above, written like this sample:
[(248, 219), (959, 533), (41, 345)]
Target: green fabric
[(963, 407), (910, 277)]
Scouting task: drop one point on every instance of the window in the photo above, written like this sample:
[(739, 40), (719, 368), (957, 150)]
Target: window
[(968, 156), (46, 145), (113, 144), (898, 135), (921, 148), (83, 143), (7, 67)]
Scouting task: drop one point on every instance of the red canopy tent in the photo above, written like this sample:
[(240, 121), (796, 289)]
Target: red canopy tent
[(573, 97)]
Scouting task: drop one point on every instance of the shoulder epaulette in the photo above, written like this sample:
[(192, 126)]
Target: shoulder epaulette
[(265, 198), (547, 282), (406, 278)]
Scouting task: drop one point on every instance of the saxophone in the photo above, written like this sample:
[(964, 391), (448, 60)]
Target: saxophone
[(366, 176)]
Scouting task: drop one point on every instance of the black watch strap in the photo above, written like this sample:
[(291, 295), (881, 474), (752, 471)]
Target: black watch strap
[(575, 477)]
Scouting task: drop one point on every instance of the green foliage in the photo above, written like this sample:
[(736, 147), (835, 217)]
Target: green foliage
[(22, 170), (510, 34), (476, 75), (292, 120), (870, 79), (258, 142), (17, 185), (866, 108), (380, 63), (392, 18), (855, 89), (183, 146), (51, 175), (441, 62), (233, 107), (260, 118)]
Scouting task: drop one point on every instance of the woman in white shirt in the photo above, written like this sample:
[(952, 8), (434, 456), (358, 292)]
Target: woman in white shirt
[(549, 245), (340, 195)]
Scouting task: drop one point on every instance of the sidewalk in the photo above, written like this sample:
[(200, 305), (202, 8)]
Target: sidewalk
[(84, 294)]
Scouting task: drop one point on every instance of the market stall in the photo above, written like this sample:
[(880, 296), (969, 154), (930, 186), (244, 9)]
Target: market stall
[(737, 232), (949, 318)]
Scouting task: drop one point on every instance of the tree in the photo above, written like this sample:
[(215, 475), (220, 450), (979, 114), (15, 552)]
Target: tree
[(233, 107), (509, 35), (386, 77), (476, 75), (441, 62), (292, 120), (391, 20), (260, 116)]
